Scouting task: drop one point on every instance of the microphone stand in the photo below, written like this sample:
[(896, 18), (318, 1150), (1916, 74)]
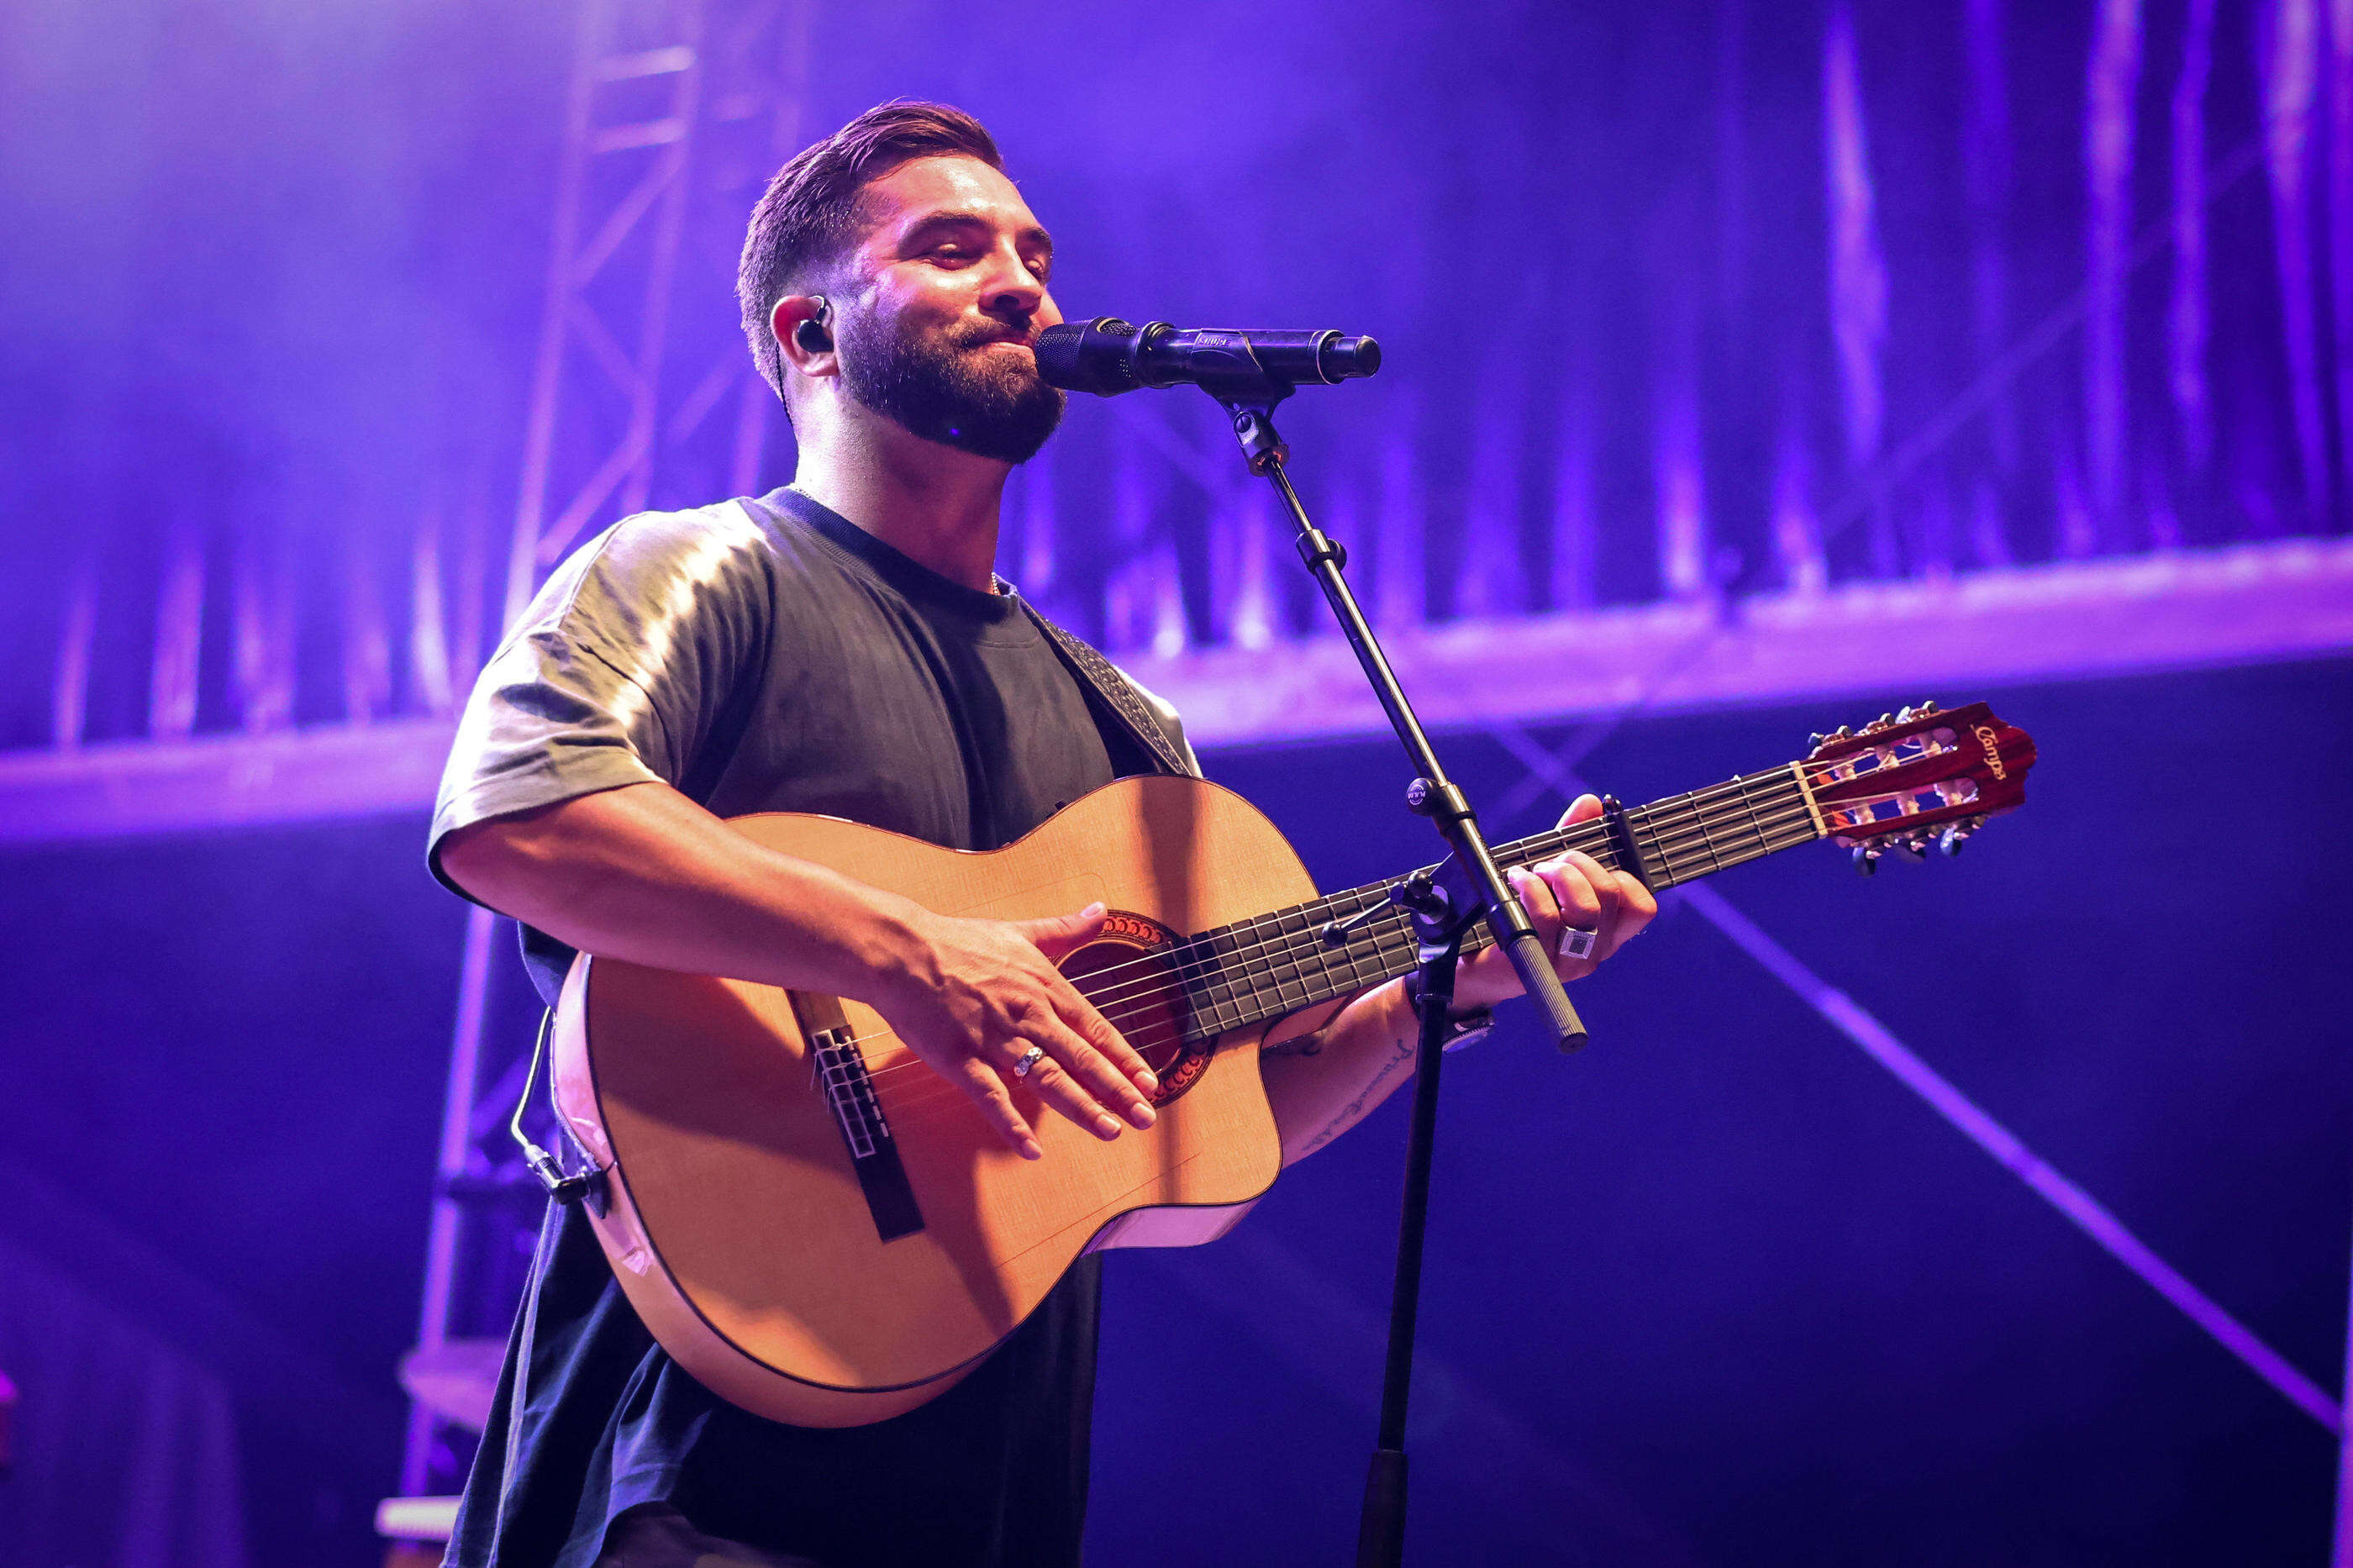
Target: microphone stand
[(1442, 910)]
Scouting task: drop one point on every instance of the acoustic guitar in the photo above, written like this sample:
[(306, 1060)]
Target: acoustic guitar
[(825, 1232)]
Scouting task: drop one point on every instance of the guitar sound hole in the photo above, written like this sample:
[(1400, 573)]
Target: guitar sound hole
[(1128, 974)]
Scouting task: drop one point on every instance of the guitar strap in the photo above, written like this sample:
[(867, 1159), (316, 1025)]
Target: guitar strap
[(1114, 695)]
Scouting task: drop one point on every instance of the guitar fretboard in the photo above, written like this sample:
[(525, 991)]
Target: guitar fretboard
[(1279, 963)]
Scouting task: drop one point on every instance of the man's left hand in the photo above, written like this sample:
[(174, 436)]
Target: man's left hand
[(1569, 890)]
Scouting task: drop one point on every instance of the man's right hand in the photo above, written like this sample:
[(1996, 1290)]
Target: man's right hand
[(977, 994)]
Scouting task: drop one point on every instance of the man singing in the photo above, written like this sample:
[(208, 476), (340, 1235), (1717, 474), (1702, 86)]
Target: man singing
[(843, 646)]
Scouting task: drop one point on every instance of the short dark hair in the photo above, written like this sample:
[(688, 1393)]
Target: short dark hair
[(810, 211)]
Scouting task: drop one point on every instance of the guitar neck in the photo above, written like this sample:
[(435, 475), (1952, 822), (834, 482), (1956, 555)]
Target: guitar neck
[(1258, 970)]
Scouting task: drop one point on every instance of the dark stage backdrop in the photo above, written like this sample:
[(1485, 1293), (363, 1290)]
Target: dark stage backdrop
[(1716, 1291), (275, 275)]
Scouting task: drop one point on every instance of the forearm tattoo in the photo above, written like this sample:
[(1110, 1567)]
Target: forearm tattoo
[(1402, 1049), (1355, 1110)]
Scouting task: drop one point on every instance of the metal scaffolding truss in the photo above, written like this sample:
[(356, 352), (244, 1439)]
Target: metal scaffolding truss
[(679, 112)]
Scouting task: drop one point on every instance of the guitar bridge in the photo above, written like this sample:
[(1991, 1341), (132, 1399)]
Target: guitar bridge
[(838, 1072)]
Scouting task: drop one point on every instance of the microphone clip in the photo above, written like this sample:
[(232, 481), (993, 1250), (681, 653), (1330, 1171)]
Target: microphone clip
[(1253, 417)]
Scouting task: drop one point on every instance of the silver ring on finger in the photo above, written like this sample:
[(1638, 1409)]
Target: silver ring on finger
[(1026, 1063), (1576, 943)]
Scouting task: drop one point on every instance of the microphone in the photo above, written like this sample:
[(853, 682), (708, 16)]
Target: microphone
[(1108, 356)]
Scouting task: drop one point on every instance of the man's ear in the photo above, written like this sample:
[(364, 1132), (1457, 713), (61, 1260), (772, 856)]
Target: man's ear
[(803, 327)]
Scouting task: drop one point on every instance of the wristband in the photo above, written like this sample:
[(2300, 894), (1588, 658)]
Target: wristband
[(1464, 1026)]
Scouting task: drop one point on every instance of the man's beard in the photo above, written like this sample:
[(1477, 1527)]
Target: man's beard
[(944, 391)]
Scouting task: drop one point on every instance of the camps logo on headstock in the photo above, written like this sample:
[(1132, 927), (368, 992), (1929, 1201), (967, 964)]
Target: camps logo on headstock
[(1992, 744), (1908, 779)]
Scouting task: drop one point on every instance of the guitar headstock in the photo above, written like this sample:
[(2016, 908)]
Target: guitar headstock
[(1921, 776)]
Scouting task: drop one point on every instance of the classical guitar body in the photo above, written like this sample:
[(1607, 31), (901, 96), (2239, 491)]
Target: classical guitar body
[(826, 1233), (735, 1211)]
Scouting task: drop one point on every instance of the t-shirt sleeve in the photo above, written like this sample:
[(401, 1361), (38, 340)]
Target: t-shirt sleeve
[(618, 673)]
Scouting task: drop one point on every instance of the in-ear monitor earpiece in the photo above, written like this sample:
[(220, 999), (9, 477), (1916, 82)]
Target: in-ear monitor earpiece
[(810, 337)]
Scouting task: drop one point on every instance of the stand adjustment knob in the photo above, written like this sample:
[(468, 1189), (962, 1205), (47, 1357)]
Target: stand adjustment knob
[(1446, 802)]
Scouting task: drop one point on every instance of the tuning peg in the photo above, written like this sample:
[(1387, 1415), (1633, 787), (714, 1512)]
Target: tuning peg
[(1953, 838), (1903, 716), (1866, 859), (1815, 742), (1924, 709)]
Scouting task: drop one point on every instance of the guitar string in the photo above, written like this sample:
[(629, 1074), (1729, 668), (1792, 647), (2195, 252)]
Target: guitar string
[(1690, 839), (1307, 936), (1285, 950), (914, 1100), (1668, 848), (1165, 964), (942, 1089), (1304, 938), (1290, 945), (1159, 1016)]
